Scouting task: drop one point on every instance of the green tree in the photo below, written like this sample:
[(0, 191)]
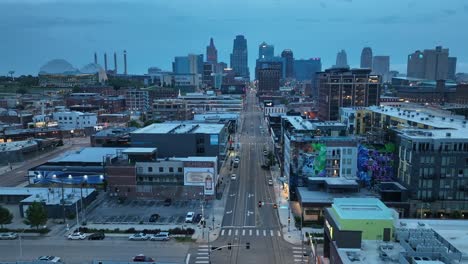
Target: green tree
[(271, 158), (133, 123), (36, 215), (5, 216), (22, 91)]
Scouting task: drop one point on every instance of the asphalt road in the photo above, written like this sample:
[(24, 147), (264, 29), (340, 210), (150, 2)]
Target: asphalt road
[(74, 252), (244, 221)]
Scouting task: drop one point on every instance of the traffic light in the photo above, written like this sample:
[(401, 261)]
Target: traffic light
[(229, 246), (247, 245)]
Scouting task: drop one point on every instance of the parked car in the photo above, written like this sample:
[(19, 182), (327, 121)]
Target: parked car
[(97, 236), (76, 236), (142, 258), (8, 236), (233, 176), (161, 236), (260, 203), (189, 217), (270, 182), (237, 159), (265, 152), (197, 218), (139, 237), (168, 202), (53, 259), (265, 167), (154, 217)]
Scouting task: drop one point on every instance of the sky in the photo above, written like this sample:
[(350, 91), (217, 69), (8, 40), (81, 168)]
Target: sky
[(154, 31)]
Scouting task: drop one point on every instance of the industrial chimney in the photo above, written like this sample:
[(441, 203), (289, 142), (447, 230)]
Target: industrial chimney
[(105, 62), (115, 63), (125, 62), (95, 58)]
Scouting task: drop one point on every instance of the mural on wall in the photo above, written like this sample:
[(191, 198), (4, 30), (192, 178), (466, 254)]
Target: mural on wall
[(309, 160), (374, 165)]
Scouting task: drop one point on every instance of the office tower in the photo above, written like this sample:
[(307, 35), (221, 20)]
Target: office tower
[(381, 66), (125, 62), (366, 58), (273, 63), (452, 68), (190, 64), (211, 52), (338, 87), (341, 60), (115, 63), (208, 72), (432, 64), (239, 57), (95, 58), (195, 63), (288, 56), (268, 80), (105, 62), (266, 51), (305, 69)]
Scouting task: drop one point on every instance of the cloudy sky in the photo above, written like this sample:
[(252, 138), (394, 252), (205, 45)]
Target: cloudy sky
[(154, 31)]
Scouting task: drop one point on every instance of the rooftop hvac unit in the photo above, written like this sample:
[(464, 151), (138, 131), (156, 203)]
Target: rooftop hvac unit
[(448, 134)]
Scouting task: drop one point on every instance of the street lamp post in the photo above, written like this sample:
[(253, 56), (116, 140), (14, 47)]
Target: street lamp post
[(20, 244)]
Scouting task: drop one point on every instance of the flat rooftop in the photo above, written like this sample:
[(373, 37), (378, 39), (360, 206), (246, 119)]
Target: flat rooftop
[(88, 155), (139, 150), (50, 196), (180, 128), (212, 159), (361, 208), (299, 123), (308, 196), (17, 145), (370, 253)]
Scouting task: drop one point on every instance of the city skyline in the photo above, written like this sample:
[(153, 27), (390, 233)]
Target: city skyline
[(106, 28)]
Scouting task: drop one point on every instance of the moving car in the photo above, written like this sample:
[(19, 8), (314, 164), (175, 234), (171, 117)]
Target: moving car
[(197, 218), (270, 182), (53, 259), (265, 152), (154, 217), (76, 236), (139, 237), (237, 159), (168, 202), (97, 236), (142, 258), (161, 236), (233, 176), (8, 236), (189, 217)]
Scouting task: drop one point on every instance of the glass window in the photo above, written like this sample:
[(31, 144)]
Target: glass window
[(150, 169), (171, 169), (161, 169)]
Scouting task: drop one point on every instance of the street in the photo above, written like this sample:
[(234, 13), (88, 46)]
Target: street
[(244, 221)]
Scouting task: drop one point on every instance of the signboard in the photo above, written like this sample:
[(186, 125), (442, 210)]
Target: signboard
[(200, 177), (214, 139)]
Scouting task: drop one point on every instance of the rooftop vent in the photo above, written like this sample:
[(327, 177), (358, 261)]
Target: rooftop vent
[(448, 134)]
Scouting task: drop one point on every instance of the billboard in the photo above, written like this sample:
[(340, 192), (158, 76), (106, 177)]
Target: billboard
[(214, 139), (200, 177)]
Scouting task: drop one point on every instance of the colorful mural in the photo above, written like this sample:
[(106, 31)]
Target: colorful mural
[(309, 159), (375, 166)]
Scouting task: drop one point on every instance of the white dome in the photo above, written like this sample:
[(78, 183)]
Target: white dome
[(57, 66), (91, 68)]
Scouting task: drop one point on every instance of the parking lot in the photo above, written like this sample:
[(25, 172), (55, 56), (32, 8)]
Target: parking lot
[(139, 211)]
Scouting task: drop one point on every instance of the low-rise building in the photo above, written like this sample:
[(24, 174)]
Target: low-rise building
[(75, 120), (169, 110)]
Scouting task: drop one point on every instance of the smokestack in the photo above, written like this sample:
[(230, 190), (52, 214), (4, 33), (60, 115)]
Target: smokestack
[(115, 63), (125, 62), (95, 58), (105, 62)]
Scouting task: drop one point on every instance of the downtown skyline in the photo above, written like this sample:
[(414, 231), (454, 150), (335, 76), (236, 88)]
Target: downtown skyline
[(100, 27)]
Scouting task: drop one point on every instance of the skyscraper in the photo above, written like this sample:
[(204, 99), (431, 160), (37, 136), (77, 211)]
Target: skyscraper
[(306, 69), (211, 52), (191, 64), (432, 64), (268, 80), (266, 51), (366, 58), (381, 66), (288, 56), (271, 63), (452, 68), (239, 57), (341, 60)]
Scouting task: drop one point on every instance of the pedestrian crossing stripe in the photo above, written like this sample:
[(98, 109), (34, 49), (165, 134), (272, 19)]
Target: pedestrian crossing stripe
[(264, 232), (237, 231), (203, 246), (250, 232), (202, 253), (203, 249), (229, 232), (199, 257), (258, 232), (279, 233), (222, 232), (243, 232), (271, 232)]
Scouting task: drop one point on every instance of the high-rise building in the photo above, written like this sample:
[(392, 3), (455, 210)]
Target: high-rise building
[(190, 64), (306, 69), (269, 80), (239, 57), (266, 51), (452, 68), (381, 66), (341, 60), (431, 64), (366, 58), (288, 56), (208, 72), (211, 52), (271, 63), (338, 87)]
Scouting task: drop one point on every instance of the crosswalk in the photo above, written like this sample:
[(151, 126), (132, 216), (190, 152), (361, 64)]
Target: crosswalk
[(249, 232), (202, 256), (298, 255)]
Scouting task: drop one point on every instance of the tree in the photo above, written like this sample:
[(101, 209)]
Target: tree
[(5, 216), (134, 123), (271, 158), (22, 91), (36, 215)]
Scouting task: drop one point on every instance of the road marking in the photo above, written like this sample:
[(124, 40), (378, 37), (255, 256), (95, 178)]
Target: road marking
[(279, 233), (250, 232), (202, 253), (297, 252), (237, 232), (229, 232), (264, 232), (271, 232), (243, 232), (203, 257), (297, 247), (202, 262), (203, 249), (222, 232), (297, 260), (204, 246), (257, 232)]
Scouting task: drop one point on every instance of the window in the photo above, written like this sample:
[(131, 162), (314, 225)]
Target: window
[(161, 169), (150, 169), (179, 169), (171, 169)]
